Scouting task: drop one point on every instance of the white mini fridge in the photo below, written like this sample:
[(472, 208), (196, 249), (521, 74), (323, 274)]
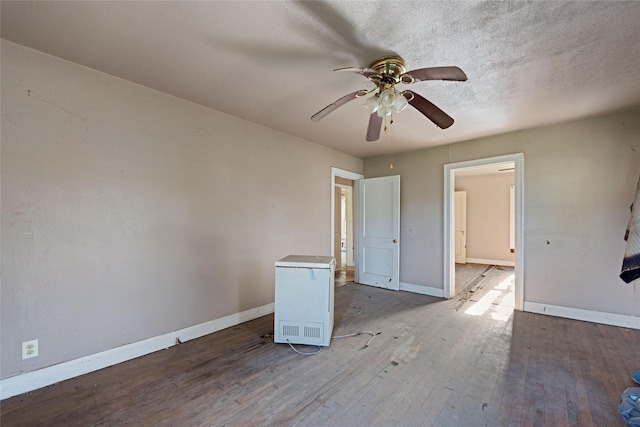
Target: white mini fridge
[(304, 289)]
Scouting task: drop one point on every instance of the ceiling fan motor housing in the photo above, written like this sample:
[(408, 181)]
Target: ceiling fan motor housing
[(390, 67)]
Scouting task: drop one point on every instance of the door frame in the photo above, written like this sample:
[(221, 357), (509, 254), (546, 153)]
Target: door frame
[(355, 177), (348, 218), (449, 221), (455, 225)]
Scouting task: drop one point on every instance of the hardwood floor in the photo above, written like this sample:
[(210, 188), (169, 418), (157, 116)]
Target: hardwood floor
[(344, 276), (433, 364)]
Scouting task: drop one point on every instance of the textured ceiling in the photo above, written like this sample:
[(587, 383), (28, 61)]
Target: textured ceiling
[(529, 63)]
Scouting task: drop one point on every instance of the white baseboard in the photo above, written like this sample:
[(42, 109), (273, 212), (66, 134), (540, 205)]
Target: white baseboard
[(30, 381), (622, 320), (491, 262), (424, 290)]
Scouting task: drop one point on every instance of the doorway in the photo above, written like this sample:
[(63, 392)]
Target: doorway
[(342, 224), (495, 164)]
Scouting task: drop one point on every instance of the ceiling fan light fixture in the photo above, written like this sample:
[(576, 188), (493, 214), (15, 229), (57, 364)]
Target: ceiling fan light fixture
[(387, 98), (384, 111), (386, 102), (400, 103), (372, 104)]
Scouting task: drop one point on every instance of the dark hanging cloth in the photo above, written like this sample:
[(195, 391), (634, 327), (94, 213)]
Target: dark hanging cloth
[(631, 262)]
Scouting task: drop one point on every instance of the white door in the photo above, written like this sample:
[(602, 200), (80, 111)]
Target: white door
[(461, 226), (379, 232)]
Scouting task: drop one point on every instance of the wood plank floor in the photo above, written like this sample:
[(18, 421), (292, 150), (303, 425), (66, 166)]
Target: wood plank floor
[(435, 363)]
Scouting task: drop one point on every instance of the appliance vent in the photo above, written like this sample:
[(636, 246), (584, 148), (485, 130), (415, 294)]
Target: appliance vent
[(310, 332), (291, 330)]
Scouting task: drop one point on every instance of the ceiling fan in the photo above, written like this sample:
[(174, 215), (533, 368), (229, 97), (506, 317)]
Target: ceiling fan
[(386, 72)]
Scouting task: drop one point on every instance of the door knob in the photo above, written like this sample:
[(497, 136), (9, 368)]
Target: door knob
[(395, 240)]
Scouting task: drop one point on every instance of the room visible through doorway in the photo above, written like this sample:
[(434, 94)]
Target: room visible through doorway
[(484, 235), (483, 229), (343, 231), (343, 237), (482, 288)]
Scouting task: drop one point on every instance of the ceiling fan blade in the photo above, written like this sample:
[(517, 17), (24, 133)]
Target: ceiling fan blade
[(367, 72), (373, 129), (340, 102), (431, 111), (437, 73)]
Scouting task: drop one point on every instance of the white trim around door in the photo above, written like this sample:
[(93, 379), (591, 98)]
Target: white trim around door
[(449, 221)]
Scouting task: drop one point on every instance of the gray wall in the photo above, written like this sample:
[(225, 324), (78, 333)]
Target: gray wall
[(580, 179), (128, 213), (487, 215)]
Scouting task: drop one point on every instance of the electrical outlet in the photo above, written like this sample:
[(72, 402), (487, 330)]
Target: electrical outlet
[(29, 349)]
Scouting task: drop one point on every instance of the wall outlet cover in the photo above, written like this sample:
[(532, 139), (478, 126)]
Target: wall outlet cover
[(29, 349)]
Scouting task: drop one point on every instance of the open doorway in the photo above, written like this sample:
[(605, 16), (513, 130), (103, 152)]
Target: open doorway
[(509, 253), (484, 233), (343, 237), (342, 224)]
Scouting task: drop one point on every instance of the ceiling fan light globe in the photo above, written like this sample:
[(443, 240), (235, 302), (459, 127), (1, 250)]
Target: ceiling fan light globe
[(400, 103), (384, 111), (372, 104), (387, 98)]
